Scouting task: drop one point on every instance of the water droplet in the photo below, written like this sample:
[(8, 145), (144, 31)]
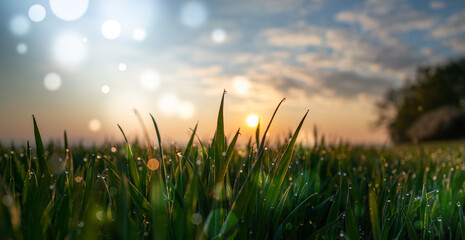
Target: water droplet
[(223, 154), (80, 224), (196, 218), (439, 219), (8, 200), (458, 204), (99, 215), (52, 187), (78, 179)]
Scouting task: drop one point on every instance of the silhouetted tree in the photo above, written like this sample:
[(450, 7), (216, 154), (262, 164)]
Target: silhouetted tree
[(431, 88)]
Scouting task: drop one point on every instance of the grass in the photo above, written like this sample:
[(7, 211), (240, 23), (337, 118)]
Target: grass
[(218, 191)]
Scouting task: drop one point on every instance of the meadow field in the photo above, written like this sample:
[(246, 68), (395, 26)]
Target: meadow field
[(216, 190)]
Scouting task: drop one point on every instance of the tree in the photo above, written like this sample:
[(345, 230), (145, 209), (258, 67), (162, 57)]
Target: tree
[(431, 88)]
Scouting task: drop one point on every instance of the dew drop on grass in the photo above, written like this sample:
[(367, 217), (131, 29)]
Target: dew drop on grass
[(80, 224), (78, 179), (458, 204), (52, 187), (439, 219), (99, 215), (223, 154), (196, 218), (113, 149), (8, 200)]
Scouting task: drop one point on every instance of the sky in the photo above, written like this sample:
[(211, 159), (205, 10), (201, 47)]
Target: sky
[(84, 65)]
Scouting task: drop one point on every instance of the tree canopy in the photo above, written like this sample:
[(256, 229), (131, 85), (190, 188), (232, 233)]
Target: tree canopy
[(432, 87)]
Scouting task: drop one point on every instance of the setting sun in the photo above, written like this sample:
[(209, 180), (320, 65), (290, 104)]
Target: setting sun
[(252, 120)]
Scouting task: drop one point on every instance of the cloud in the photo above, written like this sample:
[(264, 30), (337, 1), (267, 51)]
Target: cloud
[(284, 38), (457, 44), (436, 5), (384, 20), (455, 25), (266, 7)]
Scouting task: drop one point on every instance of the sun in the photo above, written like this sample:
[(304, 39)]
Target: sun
[(252, 120)]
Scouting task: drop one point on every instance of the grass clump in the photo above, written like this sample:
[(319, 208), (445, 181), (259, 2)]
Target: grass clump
[(218, 191)]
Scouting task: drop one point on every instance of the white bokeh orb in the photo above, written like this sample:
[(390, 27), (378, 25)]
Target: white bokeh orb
[(105, 89), (111, 29), (37, 13), (193, 14), (52, 81), (122, 67), (19, 25), (241, 85), (149, 80), (139, 35), (69, 49), (218, 35), (69, 10), (21, 48), (94, 125), (168, 104), (185, 110)]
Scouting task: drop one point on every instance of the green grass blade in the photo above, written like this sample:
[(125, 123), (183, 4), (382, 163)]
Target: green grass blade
[(43, 163)]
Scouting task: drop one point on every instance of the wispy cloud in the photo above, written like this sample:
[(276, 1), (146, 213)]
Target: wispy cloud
[(454, 25)]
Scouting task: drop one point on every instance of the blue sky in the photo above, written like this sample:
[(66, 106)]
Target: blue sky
[(85, 68)]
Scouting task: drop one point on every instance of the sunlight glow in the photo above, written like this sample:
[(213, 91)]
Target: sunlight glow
[(21, 48), (37, 13), (149, 80), (185, 110), (252, 120), (69, 10), (69, 49), (94, 125), (52, 81), (168, 104), (105, 89), (139, 35), (111, 29), (194, 14), (218, 35), (19, 25), (241, 85)]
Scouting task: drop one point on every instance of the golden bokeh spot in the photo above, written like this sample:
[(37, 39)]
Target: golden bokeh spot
[(78, 179), (153, 164)]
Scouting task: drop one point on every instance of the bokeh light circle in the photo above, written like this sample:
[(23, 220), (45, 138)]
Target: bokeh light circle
[(94, 125), (122, 67), (69, 49), (21, 48), (139, 35), (168, 103), (241, 85), (149, 80), (193, 14), (185, 110), (218, 35), (105, 89), (111, 29), (153, 164), (52, 81), (19, 25), (69, 10), (37, 13)]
